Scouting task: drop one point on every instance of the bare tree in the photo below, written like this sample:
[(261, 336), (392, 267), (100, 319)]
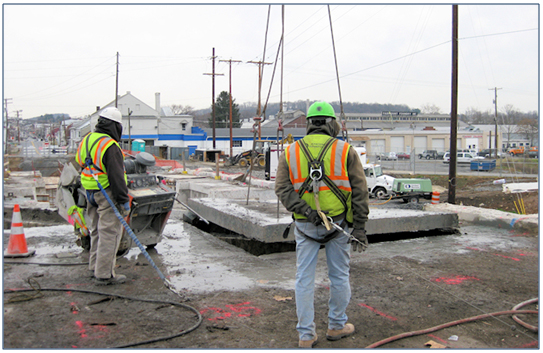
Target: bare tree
[(509, 121), (430, 109), (179, 109), (529, 128), (475, 116)]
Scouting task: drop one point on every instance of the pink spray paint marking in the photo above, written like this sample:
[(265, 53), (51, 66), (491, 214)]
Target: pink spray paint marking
[(437, 338), (508, 257), (529, 345), (241, 309), (455, 280), (82, 332), (378, 312), (238, 308)]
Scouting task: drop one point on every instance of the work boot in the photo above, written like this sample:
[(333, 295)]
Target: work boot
[(334, 335), (308, 343), (109, 281)]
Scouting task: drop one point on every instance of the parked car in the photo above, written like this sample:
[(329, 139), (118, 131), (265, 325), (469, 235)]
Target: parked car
[(428, 154), (403, 155), (490, 153), (461, 157), (441, 154), (390, 156), (472, 151)]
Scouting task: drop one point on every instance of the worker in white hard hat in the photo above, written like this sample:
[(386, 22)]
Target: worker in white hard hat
[(100, 155)]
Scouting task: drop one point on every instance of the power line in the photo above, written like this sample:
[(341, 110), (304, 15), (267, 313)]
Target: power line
[(500, 33)]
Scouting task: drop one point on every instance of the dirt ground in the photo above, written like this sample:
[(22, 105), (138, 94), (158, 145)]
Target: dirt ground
[(397, 287)]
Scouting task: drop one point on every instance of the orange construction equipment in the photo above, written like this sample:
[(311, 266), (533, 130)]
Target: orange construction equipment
[(435, 198), (17, 242)]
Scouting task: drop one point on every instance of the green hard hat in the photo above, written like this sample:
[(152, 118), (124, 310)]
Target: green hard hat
[(321, 109)]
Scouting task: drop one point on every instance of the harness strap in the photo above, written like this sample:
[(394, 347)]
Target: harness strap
[(88, 158), (313, 162), (307, 183)]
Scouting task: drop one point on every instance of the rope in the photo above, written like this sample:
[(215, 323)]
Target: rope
[(449, 324), (24, 297)]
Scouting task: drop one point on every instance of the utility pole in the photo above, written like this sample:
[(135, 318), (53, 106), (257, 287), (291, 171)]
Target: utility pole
[(454, 107), (495, 119), (260, 72), (6, 102), (18, 130), (117, 82), (129, 136), (213, 74), (230, 93)]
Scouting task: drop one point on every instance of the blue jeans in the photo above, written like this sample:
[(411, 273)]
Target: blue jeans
[(337, 258)]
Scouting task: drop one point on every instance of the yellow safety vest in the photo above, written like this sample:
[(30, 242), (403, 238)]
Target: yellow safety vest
[(97, 143), (335, 189)]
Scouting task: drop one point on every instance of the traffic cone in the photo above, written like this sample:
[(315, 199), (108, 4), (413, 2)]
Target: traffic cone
[(17, 242), (435, 197)]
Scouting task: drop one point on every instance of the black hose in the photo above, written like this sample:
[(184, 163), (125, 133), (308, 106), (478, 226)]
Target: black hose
[(194, 327)]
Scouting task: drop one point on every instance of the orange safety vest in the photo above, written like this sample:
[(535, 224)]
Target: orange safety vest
[(334, 189)]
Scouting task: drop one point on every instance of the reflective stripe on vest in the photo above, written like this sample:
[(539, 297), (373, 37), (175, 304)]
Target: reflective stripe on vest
[(97, 153), (335, 166)]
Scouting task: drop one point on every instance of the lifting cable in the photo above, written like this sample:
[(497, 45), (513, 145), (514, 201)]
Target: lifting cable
[(342, 114), (253, 160), (280, 113)]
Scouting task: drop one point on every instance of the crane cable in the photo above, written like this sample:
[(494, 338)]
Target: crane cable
[(342, 114)]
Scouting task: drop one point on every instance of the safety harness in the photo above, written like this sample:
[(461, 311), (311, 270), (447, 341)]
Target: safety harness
[(88, 158), (316, 175), (88, 163)]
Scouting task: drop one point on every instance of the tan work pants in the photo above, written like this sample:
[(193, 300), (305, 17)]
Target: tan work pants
[(105, 235)]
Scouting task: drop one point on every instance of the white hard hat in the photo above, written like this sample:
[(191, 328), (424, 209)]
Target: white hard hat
[(112, 113)]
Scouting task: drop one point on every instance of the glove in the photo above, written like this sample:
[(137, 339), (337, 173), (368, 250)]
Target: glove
[(126, 209), (359, 234), (313, 216)]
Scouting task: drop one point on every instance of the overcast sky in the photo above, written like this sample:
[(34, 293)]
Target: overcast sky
[(62, 58)]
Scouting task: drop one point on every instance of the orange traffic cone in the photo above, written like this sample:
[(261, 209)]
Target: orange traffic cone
[(17, 242)]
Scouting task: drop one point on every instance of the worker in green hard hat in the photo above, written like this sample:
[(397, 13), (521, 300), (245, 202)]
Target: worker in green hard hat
[(320, 179)]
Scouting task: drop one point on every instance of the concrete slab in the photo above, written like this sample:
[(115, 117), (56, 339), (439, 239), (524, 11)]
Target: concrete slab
[(528, 224), (261, 221), (218, 189)]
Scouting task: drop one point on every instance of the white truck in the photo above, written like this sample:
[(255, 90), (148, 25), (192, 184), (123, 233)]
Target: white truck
[(379, 184)]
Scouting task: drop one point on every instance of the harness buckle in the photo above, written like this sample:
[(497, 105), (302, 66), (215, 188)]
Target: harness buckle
[(315, 171)]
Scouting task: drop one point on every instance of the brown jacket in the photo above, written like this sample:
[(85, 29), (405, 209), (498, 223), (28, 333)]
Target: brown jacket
[(360, 195)]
